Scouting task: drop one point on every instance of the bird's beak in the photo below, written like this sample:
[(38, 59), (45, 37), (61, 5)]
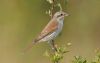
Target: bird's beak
[(66, 14)]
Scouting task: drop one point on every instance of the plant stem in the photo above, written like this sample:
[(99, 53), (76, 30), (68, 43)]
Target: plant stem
[(52, 8)]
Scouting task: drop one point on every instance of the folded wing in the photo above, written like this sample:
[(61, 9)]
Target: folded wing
[(51, 27)]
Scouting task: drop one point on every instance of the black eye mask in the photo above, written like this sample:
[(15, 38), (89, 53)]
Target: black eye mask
[(59, 15)]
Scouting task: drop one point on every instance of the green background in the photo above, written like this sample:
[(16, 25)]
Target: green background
[(22, 20)]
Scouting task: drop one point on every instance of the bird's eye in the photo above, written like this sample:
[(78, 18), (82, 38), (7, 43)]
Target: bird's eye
[(61, 14)]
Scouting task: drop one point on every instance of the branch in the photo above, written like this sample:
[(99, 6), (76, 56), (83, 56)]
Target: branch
[(52, 8)]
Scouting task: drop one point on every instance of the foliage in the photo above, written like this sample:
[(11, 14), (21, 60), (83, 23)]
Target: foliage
[(97, 57), (80, 59), (56, 56), (55, 5)]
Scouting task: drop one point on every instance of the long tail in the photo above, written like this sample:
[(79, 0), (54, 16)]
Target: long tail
[(30, 46)]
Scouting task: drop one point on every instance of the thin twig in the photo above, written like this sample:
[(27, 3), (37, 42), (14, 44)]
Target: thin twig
[(52, 8)]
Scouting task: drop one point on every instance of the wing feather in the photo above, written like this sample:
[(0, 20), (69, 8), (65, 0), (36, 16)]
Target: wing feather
[(51, 27)]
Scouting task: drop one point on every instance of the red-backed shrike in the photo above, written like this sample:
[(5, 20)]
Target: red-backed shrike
[(51, 30)]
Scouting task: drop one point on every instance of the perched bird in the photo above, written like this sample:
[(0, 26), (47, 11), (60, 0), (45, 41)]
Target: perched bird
[(51, 30)]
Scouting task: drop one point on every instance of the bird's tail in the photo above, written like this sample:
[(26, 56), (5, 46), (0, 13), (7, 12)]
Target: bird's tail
[(30, 46)]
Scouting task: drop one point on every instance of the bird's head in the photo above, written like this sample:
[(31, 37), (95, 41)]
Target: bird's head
[(60, 15)]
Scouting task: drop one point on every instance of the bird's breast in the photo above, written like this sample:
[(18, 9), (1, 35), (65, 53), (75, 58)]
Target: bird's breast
[(60, 26)]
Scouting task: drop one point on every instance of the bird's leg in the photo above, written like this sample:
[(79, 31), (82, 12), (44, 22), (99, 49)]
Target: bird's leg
[(52, 44)]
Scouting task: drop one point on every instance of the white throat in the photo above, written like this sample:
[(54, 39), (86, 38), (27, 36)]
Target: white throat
[(60, 19), (60, 25)]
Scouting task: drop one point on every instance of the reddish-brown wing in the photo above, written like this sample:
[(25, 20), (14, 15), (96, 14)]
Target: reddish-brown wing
[(51, 26)]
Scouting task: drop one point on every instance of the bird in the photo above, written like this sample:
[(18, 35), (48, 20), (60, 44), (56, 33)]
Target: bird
[(50, 31)]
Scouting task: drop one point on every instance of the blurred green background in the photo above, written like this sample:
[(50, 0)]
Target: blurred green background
[(22, 20)]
